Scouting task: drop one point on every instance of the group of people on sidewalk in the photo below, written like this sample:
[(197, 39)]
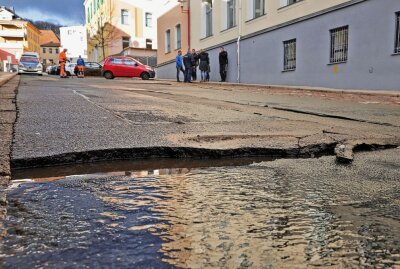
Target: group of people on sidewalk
[(188, 64), (62, 59)]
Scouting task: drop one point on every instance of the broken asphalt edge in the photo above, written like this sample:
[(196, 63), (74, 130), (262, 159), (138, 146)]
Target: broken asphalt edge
[(5, 155)]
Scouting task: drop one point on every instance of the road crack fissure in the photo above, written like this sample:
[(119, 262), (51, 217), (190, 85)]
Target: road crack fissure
[(332, 116)]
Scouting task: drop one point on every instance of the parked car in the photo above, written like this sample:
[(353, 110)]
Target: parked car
[(125, 66), (48, 69), (55, 70), (91, 69), (70, 69), (30, 65)]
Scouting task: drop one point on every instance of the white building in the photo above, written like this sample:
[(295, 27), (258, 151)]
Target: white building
[(74, 39)]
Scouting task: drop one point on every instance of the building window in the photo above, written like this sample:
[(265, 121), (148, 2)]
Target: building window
[(126, 40), (178, 36), (57, 51), (258, 8), (207, 5), (289, 2), (149, 17), (397, 40), (231, 13), (124, 16), (167, 41), (339, 44), (50, 50), (289, 55), (149, 43), (44, 50)]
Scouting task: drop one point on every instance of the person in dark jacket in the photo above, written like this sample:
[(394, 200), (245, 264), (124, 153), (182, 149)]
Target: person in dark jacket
[(187, 62), (179, 65), (204, 65), (195, 63), (223, 63)]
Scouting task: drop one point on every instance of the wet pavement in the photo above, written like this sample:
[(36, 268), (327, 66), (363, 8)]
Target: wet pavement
[(305, 213)]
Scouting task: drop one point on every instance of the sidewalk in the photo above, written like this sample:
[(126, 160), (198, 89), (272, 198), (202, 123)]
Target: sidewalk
[(8, 113), (300, 88)]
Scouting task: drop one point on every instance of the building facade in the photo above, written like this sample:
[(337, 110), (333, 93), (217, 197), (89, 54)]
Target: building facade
[(172, 33), (353, 44), (17, 36), (74, 39), (114, 25), (49, 47)]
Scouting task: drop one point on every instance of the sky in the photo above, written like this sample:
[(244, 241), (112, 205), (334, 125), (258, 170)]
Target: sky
[(64, 12)]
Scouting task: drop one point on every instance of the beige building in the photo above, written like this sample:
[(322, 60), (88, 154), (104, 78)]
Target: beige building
[(312, 43), (17, 36), (49, 47), (172, 33), (114, 25), (215, 21)]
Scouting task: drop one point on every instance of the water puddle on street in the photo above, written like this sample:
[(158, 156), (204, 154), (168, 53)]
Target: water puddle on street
[(279, 214)]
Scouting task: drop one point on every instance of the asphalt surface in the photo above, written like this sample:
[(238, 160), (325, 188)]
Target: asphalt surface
[(76, 115)]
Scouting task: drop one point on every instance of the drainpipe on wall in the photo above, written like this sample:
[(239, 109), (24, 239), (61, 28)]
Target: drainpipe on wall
[(238, 40), (188, 16)]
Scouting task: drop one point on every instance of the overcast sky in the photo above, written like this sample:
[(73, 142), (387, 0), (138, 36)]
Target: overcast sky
[(65, 12)]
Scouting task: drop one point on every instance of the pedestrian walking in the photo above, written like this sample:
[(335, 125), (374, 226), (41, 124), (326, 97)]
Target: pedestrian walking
[(179, 65), (204, 65), (62, 59), (223, 63), (187, 62), (195, 63)]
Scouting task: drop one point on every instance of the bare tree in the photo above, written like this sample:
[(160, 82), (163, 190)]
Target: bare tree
[(104, 32)]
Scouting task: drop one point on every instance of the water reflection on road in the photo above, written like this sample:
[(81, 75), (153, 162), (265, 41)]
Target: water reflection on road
[(257, 216)]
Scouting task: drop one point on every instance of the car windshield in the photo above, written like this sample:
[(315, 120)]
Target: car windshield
[(29, 60)]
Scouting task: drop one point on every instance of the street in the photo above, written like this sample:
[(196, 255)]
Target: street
[(200, 176), (68, 116)]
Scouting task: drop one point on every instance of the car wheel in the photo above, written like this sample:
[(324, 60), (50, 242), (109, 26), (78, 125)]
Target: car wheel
[(145, 76), (108, 75)]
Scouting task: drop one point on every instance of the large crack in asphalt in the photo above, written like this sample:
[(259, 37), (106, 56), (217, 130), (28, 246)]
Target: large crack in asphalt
[(304, 112), (343, 149)]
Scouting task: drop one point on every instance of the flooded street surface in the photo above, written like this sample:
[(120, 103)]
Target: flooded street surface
[(279, 214)]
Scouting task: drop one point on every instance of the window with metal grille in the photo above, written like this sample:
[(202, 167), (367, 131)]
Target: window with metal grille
[(289, 55), (339, 44), (397, 40)]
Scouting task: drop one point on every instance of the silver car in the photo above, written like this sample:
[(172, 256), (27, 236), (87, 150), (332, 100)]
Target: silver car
[(30, 65)]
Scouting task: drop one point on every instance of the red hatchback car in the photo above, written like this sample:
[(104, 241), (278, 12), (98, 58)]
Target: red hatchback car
[(123, 66)]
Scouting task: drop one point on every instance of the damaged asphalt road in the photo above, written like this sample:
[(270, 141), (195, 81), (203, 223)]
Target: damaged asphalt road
[(64, 121)]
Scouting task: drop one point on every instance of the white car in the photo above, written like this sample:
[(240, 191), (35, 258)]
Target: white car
[(29, 65), (70, 69), (48, 69)]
